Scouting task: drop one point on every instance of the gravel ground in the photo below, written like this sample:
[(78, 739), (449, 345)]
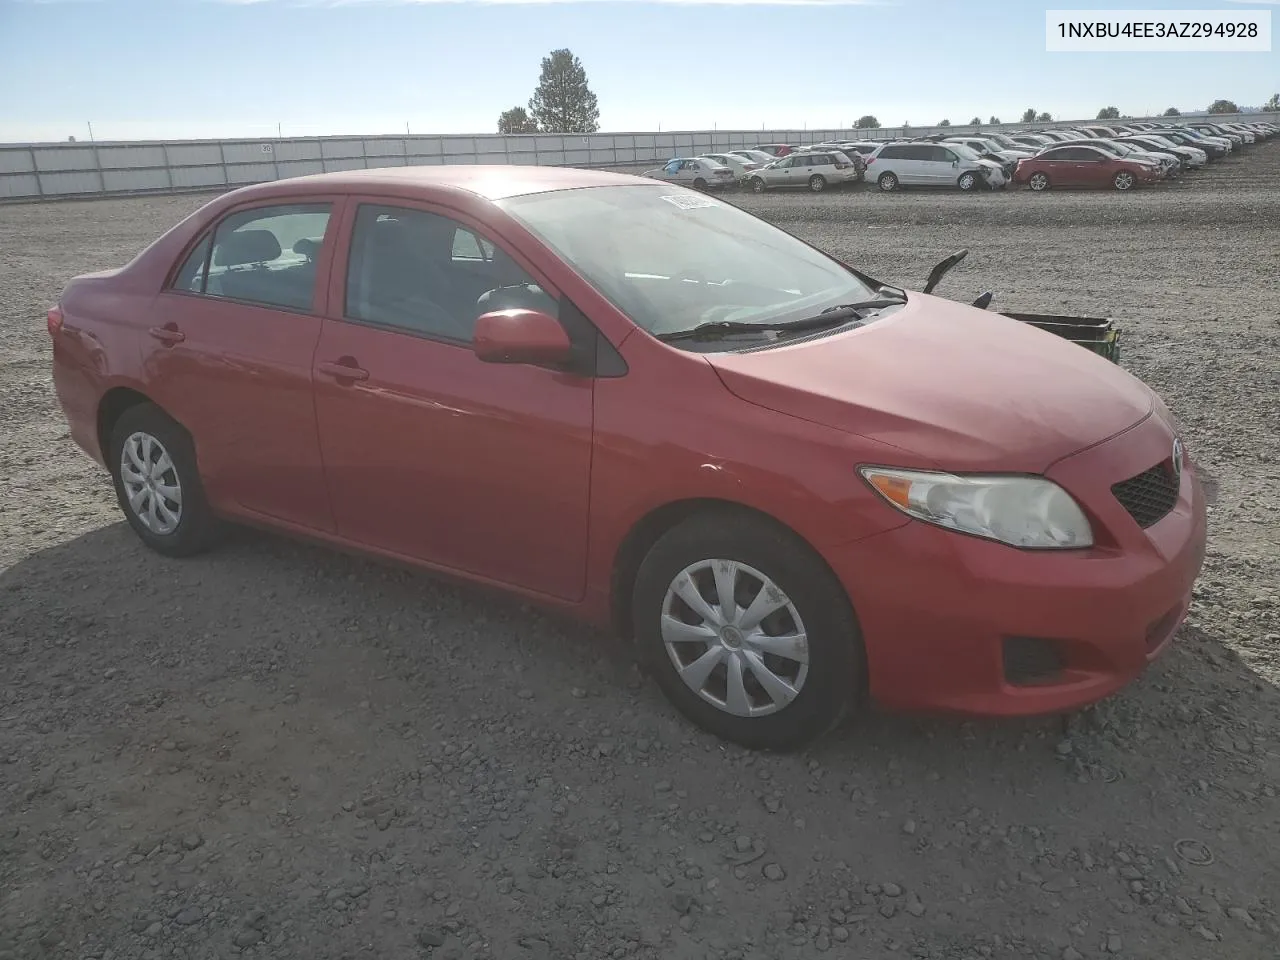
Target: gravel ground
[(278, 751)]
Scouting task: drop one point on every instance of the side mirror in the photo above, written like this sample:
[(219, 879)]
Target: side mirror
[(521, 336)]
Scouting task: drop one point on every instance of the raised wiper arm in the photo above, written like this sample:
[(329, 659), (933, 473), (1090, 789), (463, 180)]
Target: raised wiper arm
[(830, 317)]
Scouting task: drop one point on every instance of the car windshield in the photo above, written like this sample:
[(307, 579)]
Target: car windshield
[(672, 259), (968, 153), (1002, 140)]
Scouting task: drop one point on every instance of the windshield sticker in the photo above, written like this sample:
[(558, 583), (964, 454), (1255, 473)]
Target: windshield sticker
[(689, 201)]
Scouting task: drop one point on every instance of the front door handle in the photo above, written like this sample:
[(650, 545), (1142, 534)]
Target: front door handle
[(169, 333), (343, 369)]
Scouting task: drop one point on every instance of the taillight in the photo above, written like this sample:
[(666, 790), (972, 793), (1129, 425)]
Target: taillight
[(54, 321), (870, 161)]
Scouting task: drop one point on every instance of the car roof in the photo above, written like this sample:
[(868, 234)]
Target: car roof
[(490, 181)]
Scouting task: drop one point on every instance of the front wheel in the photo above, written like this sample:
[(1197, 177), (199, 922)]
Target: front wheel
[(1038, 182), (757, 185), (817, 183), (749, 634), (1123, 180), (967, 181)]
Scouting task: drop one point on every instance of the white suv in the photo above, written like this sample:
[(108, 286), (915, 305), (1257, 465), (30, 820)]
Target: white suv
[(815, 169), (924, 164)]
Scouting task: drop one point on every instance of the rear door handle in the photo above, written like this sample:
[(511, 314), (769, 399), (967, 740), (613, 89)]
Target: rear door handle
[(344, 369), (169, 333)]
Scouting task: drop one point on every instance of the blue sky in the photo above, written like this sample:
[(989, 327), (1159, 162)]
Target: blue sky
[(196, 68)]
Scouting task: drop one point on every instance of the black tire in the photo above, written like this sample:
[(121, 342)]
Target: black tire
[(699, 184), (836, 662), (1038, 181), (968, 181), (817, 183), (1124, 180), (197, 527), (887, 182), (757, 185)]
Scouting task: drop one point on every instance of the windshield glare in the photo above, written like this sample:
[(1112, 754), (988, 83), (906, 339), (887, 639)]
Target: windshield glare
[(964, 151), (671, 258)]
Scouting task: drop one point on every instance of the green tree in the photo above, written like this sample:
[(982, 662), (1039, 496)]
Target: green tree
[(977, 121), (1045, 117), (563, 103), (516, 120), (1223, 106), (1172, 112), (1272, 105), (1109, 113), (868, 122), (994, 119), (1029, 115), (944, 123)]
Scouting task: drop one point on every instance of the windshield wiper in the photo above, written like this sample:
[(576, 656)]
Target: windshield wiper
[(830, 317)]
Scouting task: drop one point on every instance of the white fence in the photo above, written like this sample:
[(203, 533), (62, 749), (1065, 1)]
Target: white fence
[(75, 169)]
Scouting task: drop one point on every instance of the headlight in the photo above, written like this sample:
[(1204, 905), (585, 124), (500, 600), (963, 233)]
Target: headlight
[(1021, 511)]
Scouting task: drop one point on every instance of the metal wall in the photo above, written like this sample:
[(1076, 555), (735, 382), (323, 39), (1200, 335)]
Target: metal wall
[(56, 170)]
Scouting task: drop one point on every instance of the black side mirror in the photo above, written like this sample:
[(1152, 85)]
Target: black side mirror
[(940, 271), (983, 301)]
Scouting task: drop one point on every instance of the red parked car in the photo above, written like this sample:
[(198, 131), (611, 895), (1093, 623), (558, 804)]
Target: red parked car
[(1079, 166), (791, 485)]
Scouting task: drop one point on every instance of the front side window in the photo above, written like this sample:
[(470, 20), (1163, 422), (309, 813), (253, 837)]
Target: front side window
[(403, 273), (266, 256), (671, 261)]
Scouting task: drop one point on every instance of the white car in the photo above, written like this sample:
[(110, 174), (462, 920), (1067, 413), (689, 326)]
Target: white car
[(697, 172), (925, 164), (740, 167), (815, 169), (755, 156), (982, 145)]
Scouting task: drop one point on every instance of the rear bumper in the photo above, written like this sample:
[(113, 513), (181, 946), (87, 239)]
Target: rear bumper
[(942, 613)]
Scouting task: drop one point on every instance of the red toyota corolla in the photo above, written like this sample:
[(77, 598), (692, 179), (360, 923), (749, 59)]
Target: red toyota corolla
[(791, 485), (1083, 166)]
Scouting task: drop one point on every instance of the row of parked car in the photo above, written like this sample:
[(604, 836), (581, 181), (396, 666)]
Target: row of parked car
[(1115, 155)]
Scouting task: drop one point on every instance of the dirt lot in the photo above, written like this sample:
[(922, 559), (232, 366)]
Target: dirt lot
[(277, 751)]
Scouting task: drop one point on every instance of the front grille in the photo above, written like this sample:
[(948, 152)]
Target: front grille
[(1150, 495)]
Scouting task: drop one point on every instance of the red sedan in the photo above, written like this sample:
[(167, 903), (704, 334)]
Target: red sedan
[(1079, 166), (791, 485)]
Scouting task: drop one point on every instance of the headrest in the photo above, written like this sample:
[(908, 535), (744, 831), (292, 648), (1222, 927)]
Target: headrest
[(308, 247), (246, 246)]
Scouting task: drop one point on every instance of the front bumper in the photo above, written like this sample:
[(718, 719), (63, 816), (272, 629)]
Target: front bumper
[(941, 611)]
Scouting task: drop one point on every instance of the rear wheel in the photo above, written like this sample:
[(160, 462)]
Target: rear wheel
[(1038, 182), (699, 184), (1123, 180), (887, 182), (748, 633), (153, 466), (817, 183)]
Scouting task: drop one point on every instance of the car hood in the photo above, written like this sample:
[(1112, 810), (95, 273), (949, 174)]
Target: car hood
[(967, 389)]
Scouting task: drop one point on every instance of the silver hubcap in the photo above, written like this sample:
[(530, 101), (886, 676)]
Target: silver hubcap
[(735, 638), (1124, 181), (1039, 181), (151, 483), (966, 182)]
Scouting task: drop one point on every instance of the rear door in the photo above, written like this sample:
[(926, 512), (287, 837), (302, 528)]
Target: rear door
[(229, 355)]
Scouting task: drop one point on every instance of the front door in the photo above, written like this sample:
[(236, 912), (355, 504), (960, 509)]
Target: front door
[(429, 452), (229, 352)]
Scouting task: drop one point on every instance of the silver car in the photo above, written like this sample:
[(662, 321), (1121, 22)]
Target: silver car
[(697, 172), (919, 163), (741, 167), (815, 169)]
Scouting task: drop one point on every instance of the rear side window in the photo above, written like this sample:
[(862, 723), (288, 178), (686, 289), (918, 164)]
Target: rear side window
[(267, 256), (893, 153)]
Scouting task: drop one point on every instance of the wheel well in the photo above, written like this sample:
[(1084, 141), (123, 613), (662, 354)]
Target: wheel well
[(651, 528), (114, 403)]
